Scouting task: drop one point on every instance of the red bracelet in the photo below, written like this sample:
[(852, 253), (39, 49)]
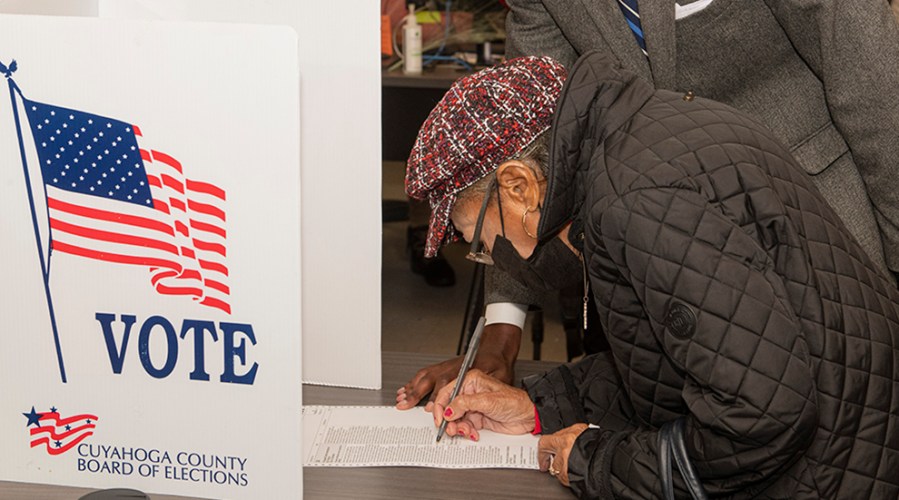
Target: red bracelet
[(537, 428)]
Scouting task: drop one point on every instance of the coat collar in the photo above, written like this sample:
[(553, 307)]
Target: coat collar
[(609, 20), (657, 19), (597, 99)]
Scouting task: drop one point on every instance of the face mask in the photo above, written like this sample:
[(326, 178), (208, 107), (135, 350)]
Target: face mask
[(552, 266)]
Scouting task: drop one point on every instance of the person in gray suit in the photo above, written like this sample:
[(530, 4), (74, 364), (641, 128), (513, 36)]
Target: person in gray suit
[(821, 74)]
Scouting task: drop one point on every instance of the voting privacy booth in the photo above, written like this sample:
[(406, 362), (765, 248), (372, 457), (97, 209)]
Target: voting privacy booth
[(172, 276)]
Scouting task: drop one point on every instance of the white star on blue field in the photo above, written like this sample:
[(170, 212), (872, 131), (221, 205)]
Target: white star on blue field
[(88, 154)]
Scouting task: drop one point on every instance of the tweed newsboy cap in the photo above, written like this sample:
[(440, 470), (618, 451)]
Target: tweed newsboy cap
[(484, 119)]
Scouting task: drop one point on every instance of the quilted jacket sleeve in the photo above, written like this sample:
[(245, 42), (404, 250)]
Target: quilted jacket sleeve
[(532, 31), (587, 391), (748, 388), (853, 48)]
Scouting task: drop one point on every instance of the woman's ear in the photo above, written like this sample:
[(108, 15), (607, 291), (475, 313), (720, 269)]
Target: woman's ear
[(518, 182)]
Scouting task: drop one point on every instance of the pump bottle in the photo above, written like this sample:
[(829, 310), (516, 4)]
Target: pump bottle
[(411, 44)]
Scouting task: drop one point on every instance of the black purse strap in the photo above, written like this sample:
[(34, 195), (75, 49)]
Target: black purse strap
[(665, 462), (672, 446)]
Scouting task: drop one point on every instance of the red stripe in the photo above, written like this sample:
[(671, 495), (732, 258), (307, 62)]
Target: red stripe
[(111, 257), (154, 181), (204, 187), (162, 207), (181, 228), (207, 209), (186, 274), (52, 430), (124, 239), (93, 213), (173, 183), (176, 203), (54, 415), (216, 303), (145, 155), (209, 247), (215, 285), (213, 266), (190, 274), (56, 451), (187, 252), (136, 130), (178, 290), (162, 275), (168, 160), (209, 228)]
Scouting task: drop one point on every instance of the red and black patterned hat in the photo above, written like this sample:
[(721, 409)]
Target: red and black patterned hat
[(484, 119)]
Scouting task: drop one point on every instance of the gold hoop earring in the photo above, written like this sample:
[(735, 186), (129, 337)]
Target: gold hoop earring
[(524, 222)]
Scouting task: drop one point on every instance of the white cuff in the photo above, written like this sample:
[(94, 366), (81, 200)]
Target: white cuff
[(506, 312)]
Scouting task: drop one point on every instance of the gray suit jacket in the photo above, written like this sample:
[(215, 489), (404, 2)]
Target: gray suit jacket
[(823, 75)]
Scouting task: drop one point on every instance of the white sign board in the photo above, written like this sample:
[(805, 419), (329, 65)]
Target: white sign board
[(149, 207), (341, 169), (50, 7)]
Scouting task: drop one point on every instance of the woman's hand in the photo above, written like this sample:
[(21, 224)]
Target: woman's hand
[(496, 356), (435, 377), (483, 403), (553, 450)]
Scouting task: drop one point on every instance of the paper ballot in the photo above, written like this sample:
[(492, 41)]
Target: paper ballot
[(378, 436)]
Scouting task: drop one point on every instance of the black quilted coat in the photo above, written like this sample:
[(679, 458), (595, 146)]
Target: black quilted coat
[(731, 294)]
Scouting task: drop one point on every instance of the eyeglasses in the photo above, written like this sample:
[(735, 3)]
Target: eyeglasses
[(477, 253)]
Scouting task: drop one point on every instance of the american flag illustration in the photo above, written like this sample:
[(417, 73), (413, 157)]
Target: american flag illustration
[(112, 198), (58, 434)]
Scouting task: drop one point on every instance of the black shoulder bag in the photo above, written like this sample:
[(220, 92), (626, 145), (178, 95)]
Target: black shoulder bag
[(671, 445)]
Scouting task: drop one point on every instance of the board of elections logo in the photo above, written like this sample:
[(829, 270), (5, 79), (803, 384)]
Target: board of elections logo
[(107, 195), (57, 434)]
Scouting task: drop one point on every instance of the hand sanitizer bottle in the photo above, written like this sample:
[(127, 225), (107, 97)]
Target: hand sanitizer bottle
[(411, 44)]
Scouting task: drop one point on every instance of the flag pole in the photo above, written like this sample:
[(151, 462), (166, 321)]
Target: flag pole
[(13, 88)]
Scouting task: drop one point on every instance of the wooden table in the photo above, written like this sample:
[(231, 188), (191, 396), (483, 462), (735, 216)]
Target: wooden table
[(376, 482)]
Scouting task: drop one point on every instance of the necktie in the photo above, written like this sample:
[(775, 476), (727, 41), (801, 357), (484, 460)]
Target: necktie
[(632, 16)]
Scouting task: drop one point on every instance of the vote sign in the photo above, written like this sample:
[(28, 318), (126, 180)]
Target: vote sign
[(149, 206)]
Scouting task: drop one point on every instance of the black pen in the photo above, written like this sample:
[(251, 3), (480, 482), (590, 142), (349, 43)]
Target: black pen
[(466, 364)]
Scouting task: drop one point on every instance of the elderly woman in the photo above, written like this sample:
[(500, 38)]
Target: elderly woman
[(755, 346)]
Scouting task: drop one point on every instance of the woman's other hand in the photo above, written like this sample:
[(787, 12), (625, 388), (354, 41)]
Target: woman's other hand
[(483, 403), (496, 356), (558, 446)]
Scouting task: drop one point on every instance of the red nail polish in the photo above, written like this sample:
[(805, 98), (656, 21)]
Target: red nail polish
[(461, 432), (448, 412), (472, 437)]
